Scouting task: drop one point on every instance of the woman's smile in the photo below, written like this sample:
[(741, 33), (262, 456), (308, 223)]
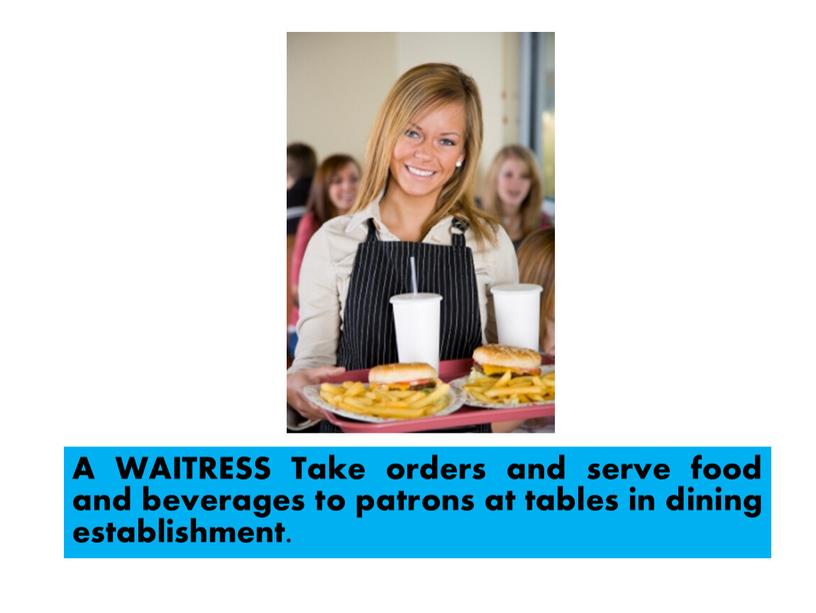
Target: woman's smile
[(420, 172)]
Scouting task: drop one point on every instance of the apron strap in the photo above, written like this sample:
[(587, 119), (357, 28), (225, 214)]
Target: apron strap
[(372, 231), (458, 228)]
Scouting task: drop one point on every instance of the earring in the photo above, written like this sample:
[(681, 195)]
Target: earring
[(459, 164)]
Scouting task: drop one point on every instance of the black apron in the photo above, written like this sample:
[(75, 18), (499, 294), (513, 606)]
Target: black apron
[(383, 269)]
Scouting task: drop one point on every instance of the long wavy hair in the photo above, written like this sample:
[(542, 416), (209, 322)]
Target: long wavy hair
[(531, 206), (319, 202), (422, 88), (536, 261)]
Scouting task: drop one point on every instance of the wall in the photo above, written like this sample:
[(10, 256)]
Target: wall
[(337, 81), (335, 84)]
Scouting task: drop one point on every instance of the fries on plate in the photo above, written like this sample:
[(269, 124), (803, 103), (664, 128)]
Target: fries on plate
[(394, 391), (505, 376)]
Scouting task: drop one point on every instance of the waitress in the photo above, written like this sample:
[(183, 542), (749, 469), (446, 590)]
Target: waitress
[(415, 199)]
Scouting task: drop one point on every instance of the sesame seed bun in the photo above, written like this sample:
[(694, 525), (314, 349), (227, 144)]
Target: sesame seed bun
[(401, 373), (506, 356)]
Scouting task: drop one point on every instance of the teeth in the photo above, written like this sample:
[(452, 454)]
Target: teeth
[(418, 172)]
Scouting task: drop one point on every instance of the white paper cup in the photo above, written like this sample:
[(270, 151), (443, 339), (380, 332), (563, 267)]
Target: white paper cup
[(416, 320), (518, 307)]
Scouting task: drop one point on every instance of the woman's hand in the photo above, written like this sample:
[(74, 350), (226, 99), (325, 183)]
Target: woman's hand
[(296, 381)]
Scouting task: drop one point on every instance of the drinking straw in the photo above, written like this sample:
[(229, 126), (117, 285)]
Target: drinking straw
[(413, 275)]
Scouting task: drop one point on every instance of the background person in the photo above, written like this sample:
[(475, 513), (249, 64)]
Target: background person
[(536, 260), (300, 167), (512, 192), (301, 162), (334, 190)]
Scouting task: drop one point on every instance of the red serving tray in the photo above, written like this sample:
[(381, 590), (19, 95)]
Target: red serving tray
[(465, 416)]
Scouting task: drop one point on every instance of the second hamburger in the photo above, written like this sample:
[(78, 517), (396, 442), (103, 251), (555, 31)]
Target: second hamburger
[(496, 360)]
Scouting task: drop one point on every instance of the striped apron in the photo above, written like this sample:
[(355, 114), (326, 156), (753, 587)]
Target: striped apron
[(383, 269)]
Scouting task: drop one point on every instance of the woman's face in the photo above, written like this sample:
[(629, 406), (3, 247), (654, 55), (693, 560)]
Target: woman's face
[(513, 184), (343, 187), (426, 153)]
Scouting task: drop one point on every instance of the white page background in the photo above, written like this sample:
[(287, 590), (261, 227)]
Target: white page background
[(141, 256)]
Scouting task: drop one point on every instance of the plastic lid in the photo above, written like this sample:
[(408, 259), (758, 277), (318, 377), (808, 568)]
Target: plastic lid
[(409, 297), (517, 287)]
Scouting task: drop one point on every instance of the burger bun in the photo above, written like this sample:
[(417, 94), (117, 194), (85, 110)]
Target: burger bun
[(508, 357), (401, 373)]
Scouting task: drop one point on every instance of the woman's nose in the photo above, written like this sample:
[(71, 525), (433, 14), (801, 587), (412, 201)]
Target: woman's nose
[(422, 151)]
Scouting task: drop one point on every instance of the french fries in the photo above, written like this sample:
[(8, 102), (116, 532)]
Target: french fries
[(389, 404), (512, 390)]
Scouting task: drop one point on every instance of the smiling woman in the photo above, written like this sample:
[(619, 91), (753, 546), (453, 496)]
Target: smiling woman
[(415, 200)]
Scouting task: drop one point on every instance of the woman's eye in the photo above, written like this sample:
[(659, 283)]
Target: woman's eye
[(411, 133), (447, 142)]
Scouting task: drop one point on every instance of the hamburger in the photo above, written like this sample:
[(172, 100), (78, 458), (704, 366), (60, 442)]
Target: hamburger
[(414, 376), (496, 360)]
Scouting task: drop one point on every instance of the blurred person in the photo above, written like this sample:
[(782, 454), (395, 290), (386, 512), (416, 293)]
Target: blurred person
[(536, 259), (513, 192), (415, 198), (333, 192), (301, 162)]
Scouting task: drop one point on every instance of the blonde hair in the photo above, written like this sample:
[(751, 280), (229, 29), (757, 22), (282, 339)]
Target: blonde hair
[(422, 88), (536, 261), (531, 206)]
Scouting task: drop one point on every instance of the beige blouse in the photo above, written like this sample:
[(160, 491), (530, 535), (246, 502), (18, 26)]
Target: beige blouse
[(326, 272)]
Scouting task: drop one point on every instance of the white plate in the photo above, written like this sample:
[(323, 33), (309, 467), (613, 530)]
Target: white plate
[(312, 393), (458, 384)]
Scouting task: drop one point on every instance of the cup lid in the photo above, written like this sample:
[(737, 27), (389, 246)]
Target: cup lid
[(516, 287), (411, 297)]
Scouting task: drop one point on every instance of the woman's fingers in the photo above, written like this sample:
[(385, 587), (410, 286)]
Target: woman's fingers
[(306, 408), (308, 376), (315, 376)]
